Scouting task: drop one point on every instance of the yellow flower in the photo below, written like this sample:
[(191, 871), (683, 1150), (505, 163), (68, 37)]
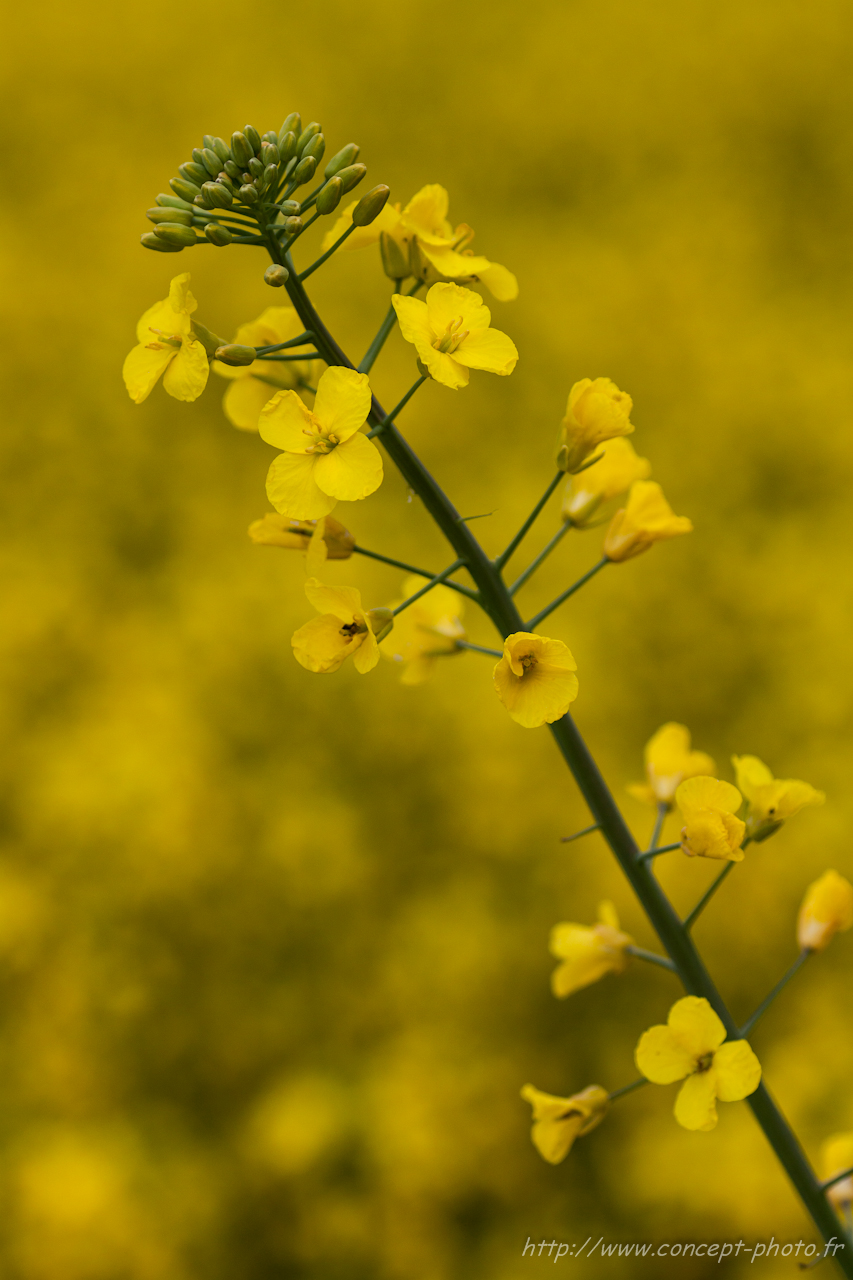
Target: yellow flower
[(535, 679), (344, 629), (710, 828), (691, 1046), (836, 1155), (771, 800), (254, 384), (827, 909), (427, 630), (613, 474), (323, 539), (647, 518), (669, 761), (168, 348), (427, 243), (588, 953), (326, 457), (558, 1121), (596, 411), (451, 334)]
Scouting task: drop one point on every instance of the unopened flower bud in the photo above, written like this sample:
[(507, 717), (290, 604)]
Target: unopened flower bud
[(220, 236), (330, 196), (211, 161), (352, 175), (380, 621), (198, 154), (270, 175), (293, 226), (370, 206), (221, 149), (276, 276), (233, 171), (270, 153), (342, 159), (270, 136), (220, 197), (172, 202), (192, 172), (290, 207), (255, 167), (304, 171), (186, 190), (203, 200), (287, 145), (150, 241), (293, 124), (315, 147), (235, 354), (170, 215), (253, 138), (240, 150), (306, 135), (175, 233), (248, 194), (394, 262)]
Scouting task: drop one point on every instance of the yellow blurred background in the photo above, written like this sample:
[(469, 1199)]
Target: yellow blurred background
[(273, 946)]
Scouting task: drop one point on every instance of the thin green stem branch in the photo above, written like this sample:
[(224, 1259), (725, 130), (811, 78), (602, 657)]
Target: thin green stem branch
[(410, 568), (570, 591), (543, 555), (378, 342), (639, 953), (690, 920), (478, 648), (627, 1088), (501, 560), (837, 1177), (386, 422), (660, 818), (300, 355), (434, 582), (664, 848), (674, 936), (323, 256), (783, 982), (303, 340), (586, 831)]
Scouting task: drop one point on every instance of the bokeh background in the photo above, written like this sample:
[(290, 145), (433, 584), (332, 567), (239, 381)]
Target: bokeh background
[(273, 958)]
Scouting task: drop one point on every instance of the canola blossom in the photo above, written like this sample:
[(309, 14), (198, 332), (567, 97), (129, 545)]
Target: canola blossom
[(344, 630), (596, 411), (588, 952), (827, 910), (710, 829), (646, 518), (690, 1048), (557, 1122), (254, 385), (535, 679), (326, 458), (613, 474), (669, 760), (426, 631), (425, 244), (771, 800), (451, 334), (168, 348)]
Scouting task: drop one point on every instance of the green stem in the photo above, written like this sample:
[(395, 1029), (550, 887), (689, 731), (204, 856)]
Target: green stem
[(640, 954), (379, 341), (507, 552), (300, 355), (570, 591), (586, 831), (303, 340), (386, 422), (663, 810), (664, 848), (628, 1088), (838, 1177), (323, 256), (534, 564), (478, 648), (497, 602), (434, 582), (410, 568), (694, 915), (783, 982)]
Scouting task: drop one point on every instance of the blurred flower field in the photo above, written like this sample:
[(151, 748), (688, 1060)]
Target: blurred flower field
[(274, 947)]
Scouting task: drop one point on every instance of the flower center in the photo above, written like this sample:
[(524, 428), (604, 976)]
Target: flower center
[(352, 629), (452, 337), (166, 340), (320, 443), (704, 1063), (527, 661)]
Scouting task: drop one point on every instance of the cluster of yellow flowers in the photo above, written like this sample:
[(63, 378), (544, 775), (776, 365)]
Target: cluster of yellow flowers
[(692, 1046)]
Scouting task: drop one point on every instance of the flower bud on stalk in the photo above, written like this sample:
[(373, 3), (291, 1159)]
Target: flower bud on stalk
[(221, 149), (235, 354), (276, 276), (193, 173), (186, 190), (211, 162), (304, 171), (270, 136), (218, 195), (271, 175), (306, 135), (394, 262), (293, 226), (329, 197), (253, 138), (175, 233), (255, 167), (150, 241), (342, 159), (220, 236), (240, 150), (172, 202), (287, 145), (170, 215), (289, 208), (248, 194), (370, 206), (352, 175), (203, 201), (293, 124), (315, 147), (270, 153), (233, 171)]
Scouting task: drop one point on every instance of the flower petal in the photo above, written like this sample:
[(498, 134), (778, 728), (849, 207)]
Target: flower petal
[(244, 400), (367, 655), (292, 489), (343, 401), (284, 423), (351, 471), (738, 1071), (488, 349), (142, 369), (181, 300), (320, 646), (695, 1025), (186, 376), (426, 214), (447, 303), (694, 1106), (500, 282), (444, 369), (661, 1057), (413, 318), (343, 602)]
